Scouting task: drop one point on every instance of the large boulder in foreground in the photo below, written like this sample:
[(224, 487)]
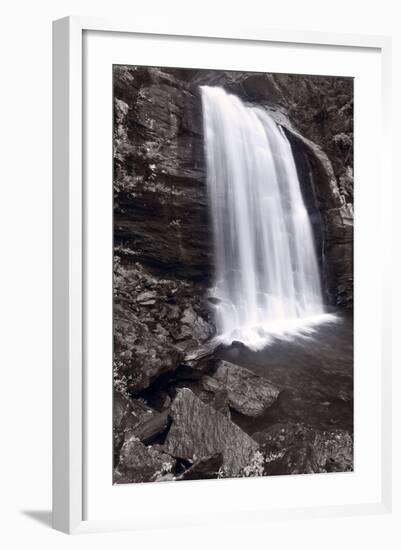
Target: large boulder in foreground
[(199, 431), (247, 393)]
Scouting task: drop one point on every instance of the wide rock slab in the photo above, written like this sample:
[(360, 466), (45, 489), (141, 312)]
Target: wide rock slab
[(199, 431), (247, 393)]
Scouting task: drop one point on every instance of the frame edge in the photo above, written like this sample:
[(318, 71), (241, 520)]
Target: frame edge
[(67, 251), (67, 275)]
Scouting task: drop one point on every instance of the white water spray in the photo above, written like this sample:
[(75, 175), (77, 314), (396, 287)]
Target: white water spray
[(267, 280)]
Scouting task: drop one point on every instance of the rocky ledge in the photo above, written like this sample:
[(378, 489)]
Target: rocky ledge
[(192, 435), (194, 440)]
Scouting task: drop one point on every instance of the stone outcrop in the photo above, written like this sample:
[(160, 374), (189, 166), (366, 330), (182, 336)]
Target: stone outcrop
[(128, 414), (160, 203), (199, 431), (151, 330), (297, 449), (139, 463), (247, 393)]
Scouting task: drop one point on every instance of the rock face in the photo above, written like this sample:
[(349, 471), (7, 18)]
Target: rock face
[(151, 331), (296, 449), (139, 463), (199, 431), (160, 201), (331, 217), (128, 414), (247, 393)]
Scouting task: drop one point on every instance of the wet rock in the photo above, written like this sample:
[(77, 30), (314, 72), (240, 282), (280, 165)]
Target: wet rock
[(247, 393), (196, 355), (198, 359), (139, 463), (198, 431), (193, 326)]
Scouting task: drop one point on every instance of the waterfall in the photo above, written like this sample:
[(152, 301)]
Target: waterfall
[(267, 281)]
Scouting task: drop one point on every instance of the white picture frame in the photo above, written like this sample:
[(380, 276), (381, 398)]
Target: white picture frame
[(70, 256)]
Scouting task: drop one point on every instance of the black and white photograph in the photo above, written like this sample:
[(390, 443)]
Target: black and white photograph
[(233, 274), (200, 218)]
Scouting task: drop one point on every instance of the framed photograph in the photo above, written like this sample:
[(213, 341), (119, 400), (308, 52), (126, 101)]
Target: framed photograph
[(220, 300)]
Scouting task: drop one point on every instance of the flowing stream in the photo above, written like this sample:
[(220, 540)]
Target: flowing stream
[(267, 282)]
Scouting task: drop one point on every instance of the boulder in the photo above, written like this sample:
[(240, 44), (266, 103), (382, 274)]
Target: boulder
[(151, 358), (128, 413), (333, 451), (150, 428), (247, 393), (193, 326), (199, 431), (139, 463), (141, 355), (298, 449), (198, 359)]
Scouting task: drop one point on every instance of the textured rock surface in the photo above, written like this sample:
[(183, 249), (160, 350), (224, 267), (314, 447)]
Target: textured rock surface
[(160, 201), (139, 463), (247, 393), (205, 468), (148, 333), (198, 431), (296, 449), (127, 415), (149, 429)]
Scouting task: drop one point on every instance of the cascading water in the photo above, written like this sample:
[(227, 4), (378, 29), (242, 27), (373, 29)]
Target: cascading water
[(267, 277)]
